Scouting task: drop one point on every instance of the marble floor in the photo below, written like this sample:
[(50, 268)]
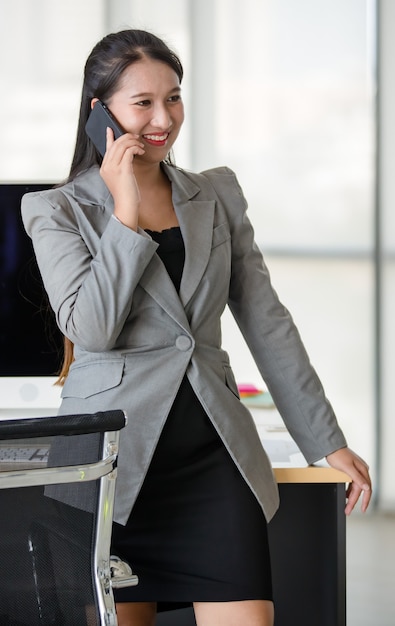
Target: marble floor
[(371, 570)]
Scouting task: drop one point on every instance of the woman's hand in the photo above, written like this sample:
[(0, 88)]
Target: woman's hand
[(117, 172), (351, 464)]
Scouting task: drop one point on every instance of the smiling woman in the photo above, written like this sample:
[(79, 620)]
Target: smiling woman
[(140, 259)]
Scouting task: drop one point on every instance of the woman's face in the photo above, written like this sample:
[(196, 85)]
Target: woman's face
[(148, 103)]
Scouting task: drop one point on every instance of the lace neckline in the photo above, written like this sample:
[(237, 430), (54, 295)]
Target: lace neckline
[(164, 231)]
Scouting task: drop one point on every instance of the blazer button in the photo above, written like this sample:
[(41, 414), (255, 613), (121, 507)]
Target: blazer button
[(183, 343)]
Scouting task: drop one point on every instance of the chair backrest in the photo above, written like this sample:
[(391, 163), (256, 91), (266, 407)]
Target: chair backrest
[(55, 557)]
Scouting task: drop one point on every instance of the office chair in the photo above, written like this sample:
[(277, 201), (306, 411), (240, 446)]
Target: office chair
[(55, 521)]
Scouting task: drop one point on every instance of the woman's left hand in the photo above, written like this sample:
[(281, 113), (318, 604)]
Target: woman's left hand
[(351, 464)]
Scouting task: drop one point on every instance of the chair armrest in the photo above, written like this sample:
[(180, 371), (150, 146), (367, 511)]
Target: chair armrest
[(80, 424)]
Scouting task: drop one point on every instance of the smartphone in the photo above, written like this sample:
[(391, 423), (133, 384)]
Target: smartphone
[(99, 120)]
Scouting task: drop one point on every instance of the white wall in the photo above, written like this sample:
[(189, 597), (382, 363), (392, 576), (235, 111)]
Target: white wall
[(387, 201)]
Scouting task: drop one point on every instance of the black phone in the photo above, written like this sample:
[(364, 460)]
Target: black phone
[(99, 120)]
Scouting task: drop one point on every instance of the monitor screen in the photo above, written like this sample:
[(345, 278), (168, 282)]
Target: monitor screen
[(30, 342)]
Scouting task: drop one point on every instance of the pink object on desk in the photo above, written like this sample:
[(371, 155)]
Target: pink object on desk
[(248, 389)]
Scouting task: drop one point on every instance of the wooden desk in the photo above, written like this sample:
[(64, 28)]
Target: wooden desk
[(307, 541)]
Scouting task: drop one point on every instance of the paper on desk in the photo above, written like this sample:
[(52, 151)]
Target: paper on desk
[(283, 453), (278, 443)]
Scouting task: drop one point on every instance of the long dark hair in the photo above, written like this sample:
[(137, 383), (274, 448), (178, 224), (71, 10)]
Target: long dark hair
[(103, 70)]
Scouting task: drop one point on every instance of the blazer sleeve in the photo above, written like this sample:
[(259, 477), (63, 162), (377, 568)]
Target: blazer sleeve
[(90, 287), (271, 334)]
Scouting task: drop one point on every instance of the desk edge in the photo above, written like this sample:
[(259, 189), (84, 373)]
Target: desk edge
[(310, 474)]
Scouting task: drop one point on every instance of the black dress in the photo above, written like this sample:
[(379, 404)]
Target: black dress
[(196, 532)]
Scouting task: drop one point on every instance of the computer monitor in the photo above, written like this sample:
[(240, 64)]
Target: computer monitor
[(30, 342)]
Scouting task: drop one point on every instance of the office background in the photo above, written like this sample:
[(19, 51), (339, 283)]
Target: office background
[(298, 97)]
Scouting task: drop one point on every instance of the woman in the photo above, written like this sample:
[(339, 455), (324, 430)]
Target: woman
[(139, 259)]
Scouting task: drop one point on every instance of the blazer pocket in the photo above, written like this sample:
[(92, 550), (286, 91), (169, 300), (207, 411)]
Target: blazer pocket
[(89, 379), (220, 234), (231, 381)]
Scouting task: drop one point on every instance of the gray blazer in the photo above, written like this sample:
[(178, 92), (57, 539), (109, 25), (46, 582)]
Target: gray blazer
[(135, 337)]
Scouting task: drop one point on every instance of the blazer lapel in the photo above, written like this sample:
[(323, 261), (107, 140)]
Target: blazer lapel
[(196, 222), (196, 218), (158, 284)]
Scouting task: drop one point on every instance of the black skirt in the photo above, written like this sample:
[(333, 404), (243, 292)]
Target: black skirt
[(196, 532)]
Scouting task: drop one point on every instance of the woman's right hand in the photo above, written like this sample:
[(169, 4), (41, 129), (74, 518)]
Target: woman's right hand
[(118, 174)]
